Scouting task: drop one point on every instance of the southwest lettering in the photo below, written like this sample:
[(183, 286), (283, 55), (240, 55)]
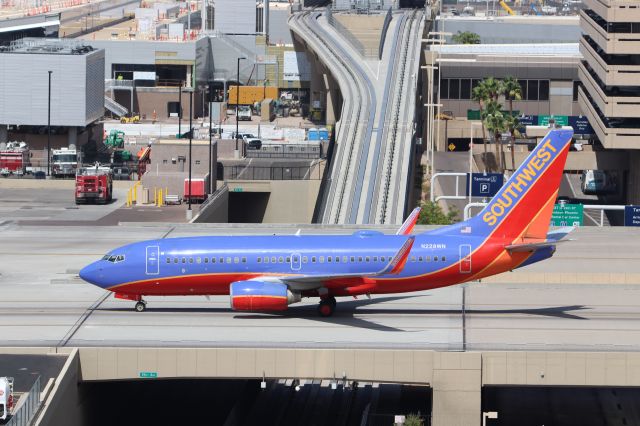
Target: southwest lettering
[(497, 206), (537, 164), (519, 184)]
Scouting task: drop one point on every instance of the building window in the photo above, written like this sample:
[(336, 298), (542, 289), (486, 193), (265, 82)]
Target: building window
[(454, 88), (444, 88), (465, 88), (576, 84), (544, 90)]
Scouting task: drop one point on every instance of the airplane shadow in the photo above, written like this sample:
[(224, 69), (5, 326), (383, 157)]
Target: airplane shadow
[(346, 311)]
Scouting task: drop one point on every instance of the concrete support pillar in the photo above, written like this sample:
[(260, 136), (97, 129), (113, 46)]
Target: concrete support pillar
[(73, 137), (4, 134), (329, 87), (457, 386), (633, 179), (189, 72)]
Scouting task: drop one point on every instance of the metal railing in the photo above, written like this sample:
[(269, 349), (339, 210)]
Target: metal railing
[(271, 173), (26, 412), (304, 151), (447, 197), (115, 107), (111, 83), (601, 208)]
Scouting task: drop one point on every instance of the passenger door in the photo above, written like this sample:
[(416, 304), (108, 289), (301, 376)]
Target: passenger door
[(465, 258), (152, 260)]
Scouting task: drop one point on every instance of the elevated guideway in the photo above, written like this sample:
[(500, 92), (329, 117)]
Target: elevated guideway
[(368, 178)]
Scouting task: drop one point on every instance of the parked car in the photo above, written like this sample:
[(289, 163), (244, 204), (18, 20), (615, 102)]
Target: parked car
[(242, 135), (254, 143)]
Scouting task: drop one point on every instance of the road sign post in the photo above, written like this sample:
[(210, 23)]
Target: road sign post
[(567, 215)]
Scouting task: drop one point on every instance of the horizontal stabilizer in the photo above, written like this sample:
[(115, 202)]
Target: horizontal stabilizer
[(518, 248), (553, 238)]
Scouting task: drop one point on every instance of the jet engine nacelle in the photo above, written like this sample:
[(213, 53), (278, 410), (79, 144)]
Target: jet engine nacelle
[(261, 296)]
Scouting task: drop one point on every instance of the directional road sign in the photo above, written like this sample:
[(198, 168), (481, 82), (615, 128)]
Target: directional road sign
[(485, 184), (631, 215), (567, 215)]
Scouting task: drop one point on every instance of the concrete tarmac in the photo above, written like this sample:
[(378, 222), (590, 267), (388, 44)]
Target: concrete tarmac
[(44, 303)]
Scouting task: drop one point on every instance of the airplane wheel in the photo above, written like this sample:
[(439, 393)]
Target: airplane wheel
[(326, 307), (332, 300), (141, 306)]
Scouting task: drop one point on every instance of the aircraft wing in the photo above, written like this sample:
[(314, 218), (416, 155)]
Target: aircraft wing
[(395, 266), (553, 238), (409, 222)]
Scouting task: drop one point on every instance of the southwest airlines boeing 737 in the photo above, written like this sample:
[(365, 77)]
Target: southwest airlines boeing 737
[(268, 273)]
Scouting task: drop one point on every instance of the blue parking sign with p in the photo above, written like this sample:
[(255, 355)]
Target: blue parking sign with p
[(484, 184)]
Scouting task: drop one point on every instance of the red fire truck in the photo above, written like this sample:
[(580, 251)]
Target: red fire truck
[(94, 183), (14, 159)]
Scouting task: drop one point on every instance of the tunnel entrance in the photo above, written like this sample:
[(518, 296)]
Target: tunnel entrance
[(247, 207), (244, 402), (562, 406)]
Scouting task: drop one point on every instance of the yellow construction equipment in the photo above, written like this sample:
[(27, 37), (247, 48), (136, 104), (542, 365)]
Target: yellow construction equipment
[(129, 120), (507, 8)]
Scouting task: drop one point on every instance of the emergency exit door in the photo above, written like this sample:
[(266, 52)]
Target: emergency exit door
[(153, 263), (465, 258)]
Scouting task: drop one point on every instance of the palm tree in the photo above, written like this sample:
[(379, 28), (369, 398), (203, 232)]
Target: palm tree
[(480, 95), (496, 124), (513, 126), (493, 87), (512, 92)]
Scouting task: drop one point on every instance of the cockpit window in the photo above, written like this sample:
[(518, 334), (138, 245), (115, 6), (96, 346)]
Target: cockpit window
[(113, 258)]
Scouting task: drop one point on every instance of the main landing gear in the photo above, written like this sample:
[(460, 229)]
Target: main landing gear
[(141, 306), (327, 306)]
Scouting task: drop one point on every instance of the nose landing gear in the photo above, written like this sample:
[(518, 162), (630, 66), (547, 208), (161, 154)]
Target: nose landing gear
[(141, 306)]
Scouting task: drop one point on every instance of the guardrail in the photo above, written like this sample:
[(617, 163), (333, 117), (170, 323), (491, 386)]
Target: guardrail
[(447, 197), (602, 208), (26, 412)]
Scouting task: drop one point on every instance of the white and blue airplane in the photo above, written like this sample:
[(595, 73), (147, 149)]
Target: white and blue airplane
[(268, 273)]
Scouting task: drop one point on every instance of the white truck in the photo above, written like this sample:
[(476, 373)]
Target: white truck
[(64, 162), (244, 113), (6, 397)]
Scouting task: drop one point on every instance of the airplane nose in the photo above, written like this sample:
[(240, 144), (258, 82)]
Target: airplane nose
[(91, 273)]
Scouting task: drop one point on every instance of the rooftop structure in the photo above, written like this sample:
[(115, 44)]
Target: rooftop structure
[(77, 83)]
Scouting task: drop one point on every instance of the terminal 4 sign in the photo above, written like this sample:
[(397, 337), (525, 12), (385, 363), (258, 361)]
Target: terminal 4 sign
[(567, 215), (484, 184), (631, 215)]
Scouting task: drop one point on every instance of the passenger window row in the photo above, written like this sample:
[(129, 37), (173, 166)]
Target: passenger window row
[(428, 259), (282, 259), (200, 260)]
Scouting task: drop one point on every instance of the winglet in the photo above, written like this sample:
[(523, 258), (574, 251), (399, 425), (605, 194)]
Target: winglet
[(397, 263), (409, 222)]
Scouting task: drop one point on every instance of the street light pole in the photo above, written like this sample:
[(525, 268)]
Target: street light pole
[(180, 109), (189, 212), (210, 142), (49, 128), (237, 154)]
